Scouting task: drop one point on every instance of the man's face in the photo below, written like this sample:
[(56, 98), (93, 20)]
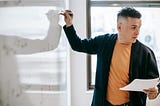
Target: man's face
[(128, 29)]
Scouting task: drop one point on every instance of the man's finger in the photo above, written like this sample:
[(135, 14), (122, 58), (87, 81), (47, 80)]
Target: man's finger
[(146, 90), (66, 12)]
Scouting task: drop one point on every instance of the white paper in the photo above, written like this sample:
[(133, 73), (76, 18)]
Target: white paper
[(141, 84)]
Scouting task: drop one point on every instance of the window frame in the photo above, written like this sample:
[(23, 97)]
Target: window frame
[(109, 3), (6, 3)]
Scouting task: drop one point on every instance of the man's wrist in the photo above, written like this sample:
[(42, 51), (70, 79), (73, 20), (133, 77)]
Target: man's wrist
[(68, 25)]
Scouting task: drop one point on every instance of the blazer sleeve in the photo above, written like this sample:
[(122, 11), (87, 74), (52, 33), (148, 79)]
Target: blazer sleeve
[(88, 45), (154, 67)]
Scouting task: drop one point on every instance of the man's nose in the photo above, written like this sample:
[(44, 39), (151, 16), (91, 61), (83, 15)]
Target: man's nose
[(137, 31)]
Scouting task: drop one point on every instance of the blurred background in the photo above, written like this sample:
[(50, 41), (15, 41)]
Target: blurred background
[(61, 77)]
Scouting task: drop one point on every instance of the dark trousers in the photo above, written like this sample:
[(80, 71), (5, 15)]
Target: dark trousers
[(126, 104)]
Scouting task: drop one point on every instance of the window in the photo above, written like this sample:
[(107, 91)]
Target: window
[(46, 70), (40, 71), (102, 20)]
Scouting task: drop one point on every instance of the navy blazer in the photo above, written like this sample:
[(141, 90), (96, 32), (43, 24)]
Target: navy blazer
[(142, 63)]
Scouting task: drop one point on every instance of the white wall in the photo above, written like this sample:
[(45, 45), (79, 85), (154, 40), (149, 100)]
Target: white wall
[(79, 94)]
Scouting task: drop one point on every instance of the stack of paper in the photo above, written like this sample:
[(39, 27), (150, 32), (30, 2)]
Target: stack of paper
[(141, 84)]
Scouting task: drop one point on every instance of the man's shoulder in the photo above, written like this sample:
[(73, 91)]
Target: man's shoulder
[(108, 36), (144, 47)]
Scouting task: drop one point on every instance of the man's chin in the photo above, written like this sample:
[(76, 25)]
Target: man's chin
[(134, 41)]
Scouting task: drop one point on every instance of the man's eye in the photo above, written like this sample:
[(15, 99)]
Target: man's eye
[(133, 27)]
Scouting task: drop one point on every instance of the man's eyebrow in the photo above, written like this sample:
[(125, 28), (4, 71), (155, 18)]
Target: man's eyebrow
[(135, 25)]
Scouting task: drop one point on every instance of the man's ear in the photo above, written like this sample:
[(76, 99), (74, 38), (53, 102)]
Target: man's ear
[(119, 26)]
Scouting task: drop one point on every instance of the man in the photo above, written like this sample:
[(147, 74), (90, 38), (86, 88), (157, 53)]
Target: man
[(121, 58)]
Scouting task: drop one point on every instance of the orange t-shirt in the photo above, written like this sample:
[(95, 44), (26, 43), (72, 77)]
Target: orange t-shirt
[(119, 74)]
